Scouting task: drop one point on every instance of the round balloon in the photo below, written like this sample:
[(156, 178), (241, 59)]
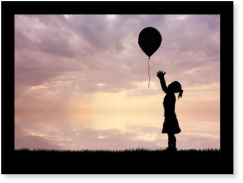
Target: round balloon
[(149, 40)]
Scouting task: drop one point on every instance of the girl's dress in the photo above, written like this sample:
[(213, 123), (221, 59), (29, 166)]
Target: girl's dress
[(171, 123)]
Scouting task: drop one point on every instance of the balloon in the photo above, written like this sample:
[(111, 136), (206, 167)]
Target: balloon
[(149, 40)]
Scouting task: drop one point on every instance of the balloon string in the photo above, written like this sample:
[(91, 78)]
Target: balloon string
[(148, 71)]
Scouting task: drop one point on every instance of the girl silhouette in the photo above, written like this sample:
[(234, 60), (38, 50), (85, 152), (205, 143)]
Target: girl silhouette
[(170, 126)]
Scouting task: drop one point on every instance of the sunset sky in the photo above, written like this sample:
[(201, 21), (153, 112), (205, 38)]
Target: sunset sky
[(81, 81)]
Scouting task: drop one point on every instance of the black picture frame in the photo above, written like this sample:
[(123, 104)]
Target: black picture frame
[(13, 163)]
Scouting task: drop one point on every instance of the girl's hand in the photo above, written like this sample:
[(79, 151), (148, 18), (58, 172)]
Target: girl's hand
[(161, 74)]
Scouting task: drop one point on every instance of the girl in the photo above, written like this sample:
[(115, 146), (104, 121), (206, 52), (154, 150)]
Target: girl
[(170, 126)]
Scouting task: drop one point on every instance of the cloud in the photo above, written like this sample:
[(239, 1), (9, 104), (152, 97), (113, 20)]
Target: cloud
[(113, 140), (24, 140), (49, 46), (34, 142), (66, 131)]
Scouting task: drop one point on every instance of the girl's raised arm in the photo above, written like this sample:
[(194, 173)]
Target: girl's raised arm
[(161, 76)]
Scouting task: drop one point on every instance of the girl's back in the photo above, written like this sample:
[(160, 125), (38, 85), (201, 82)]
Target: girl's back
[(169, 104)]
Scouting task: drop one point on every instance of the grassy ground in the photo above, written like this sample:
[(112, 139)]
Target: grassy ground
[(135, 161)]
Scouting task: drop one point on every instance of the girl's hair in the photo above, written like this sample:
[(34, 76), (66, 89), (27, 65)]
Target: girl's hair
[(176, 88), (180, 94)]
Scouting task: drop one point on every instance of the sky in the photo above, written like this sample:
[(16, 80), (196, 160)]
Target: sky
[(81, 81)]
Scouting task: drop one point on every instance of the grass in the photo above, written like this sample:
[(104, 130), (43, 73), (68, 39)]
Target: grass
[(209, 153), (118, 151), (127, 161)]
